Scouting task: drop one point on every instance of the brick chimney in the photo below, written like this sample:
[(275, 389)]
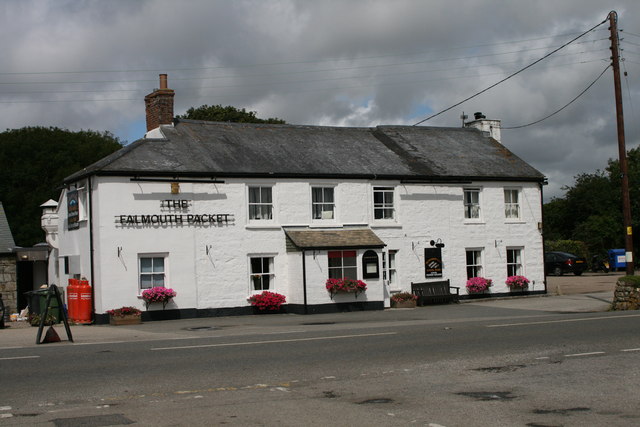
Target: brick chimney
[(159, 105)]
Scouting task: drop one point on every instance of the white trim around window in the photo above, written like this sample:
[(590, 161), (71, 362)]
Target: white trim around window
[(472, 203), (515, 266), (153, 270), (323, 203), (260, 199), (385, 203), (262, 275), (512, 204)]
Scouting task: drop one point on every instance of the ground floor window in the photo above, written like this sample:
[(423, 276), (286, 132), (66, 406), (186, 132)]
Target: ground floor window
[(262, 273), (391, 268), (514, 262), (474, 263), (152, 271), (342, 264)]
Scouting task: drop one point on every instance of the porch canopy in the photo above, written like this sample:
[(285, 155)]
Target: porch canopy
[(333, 239)]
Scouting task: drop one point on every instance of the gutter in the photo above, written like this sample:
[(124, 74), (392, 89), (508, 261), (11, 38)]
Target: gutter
[(91, 251)]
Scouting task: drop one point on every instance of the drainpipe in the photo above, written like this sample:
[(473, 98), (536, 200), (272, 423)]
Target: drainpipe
[(544, 266), (304, 280), (91, 250)]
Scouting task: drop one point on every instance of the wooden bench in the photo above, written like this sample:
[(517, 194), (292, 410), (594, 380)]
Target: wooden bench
[(435, 292)]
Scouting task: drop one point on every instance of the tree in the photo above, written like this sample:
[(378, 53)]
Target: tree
[(34, 162), (591, 209), (218, 113)]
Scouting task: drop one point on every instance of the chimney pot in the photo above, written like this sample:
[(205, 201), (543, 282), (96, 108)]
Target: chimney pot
[(163, 81), (479, 115)]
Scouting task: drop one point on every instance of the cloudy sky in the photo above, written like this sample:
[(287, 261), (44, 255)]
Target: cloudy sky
[(83, 64)]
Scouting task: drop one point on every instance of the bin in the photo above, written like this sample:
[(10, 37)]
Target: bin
[(617, 259), (37, 301)]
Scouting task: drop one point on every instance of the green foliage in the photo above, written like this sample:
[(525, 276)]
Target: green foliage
[(630, 281), (591, 210), (218, 113), (34, 162), (572, 246)]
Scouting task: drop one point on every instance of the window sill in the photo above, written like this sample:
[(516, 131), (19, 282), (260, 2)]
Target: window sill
[(514, 221), (257, 226), (386, 225), (470, 222)]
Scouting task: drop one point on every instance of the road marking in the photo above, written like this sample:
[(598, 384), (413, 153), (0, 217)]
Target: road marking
[(6, 415), (274, 341), (19, 357), (542, 358), (582, 319), (631, 349), (584, 354)]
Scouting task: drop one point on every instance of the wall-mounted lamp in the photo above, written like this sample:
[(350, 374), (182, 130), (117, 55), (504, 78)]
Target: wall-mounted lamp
[(175, 188), (437, 243)]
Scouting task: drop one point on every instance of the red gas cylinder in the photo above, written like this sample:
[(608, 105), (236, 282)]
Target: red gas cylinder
[(72, 299), (85, 309)]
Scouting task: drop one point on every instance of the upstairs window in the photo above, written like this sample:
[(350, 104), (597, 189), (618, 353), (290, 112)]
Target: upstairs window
[(322, 203), (383, 207), (472, 203), (342, 264), (511, 204), (260, 203)]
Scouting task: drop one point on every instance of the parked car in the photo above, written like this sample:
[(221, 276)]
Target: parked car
[(558, 263)]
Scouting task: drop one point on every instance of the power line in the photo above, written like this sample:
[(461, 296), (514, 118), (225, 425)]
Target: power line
[(295, 62), (511, 75), (565, 106)]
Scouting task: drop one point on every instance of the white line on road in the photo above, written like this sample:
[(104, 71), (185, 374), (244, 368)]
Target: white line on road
[(274, 341), (631, 349), (19, 357), (584, 354), (583, 319)]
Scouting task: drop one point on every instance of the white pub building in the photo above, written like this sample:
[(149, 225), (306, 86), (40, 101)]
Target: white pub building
[(221, 211)]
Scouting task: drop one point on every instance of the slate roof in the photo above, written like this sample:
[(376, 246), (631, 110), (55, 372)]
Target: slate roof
[(325, 239), (193, 148), (6, 238)]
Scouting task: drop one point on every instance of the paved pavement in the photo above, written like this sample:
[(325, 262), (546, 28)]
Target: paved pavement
[(566, 294)]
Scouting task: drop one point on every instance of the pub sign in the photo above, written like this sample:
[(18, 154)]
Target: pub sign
[(433, 262)]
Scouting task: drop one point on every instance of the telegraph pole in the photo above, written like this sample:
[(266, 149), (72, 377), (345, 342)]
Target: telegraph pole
[(622, 151)]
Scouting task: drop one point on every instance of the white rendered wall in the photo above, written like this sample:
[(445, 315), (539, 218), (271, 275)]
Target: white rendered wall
[(208, 265)]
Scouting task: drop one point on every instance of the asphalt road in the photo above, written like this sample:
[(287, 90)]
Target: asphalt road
[(462, 365)]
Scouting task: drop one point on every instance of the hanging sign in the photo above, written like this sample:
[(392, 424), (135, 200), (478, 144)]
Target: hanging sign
[(433, 262), (73, 210)]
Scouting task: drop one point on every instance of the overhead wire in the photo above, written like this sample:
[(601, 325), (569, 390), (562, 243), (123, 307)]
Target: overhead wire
[(511, 75), (565, 106)]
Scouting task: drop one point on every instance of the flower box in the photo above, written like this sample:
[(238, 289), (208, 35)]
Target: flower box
[(403, 304), (127, 319)]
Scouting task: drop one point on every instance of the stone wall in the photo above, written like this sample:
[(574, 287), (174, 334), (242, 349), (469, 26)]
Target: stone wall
[(626, 295), (8, 286)]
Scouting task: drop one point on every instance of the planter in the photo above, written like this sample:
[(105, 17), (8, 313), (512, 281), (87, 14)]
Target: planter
[(403, 304), (128, 319)]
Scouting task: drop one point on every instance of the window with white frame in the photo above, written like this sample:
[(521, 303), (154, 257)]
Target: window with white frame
[(514, 262), (262, 273), (393, 273), (474, 263), (383, 206), (342, 264), (511, 203), (260, 203), (152, 271), (472, 203), (322, 203)]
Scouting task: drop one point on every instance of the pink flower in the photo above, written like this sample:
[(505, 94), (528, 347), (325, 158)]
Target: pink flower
[(478, 284)]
